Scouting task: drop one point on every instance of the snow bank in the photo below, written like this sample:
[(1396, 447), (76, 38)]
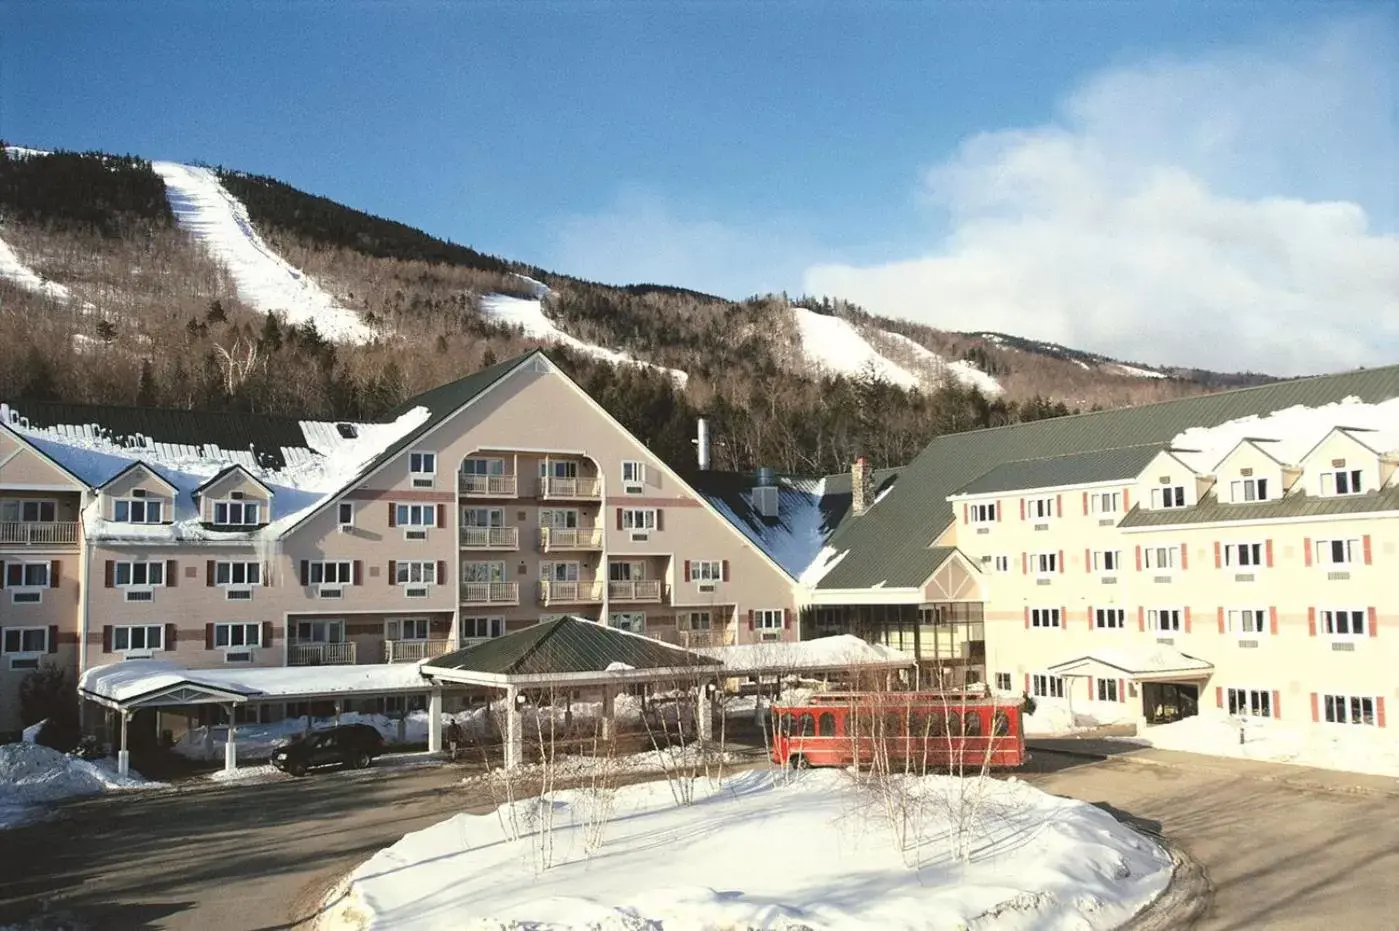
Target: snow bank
[(265, 281), (1295, 429), (33, 777), (1352, 748), (1053, 718), (527, 314), (765, 851)]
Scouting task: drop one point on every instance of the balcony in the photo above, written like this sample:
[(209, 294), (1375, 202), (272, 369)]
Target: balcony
[(556, 539), (552, 593), (47, 532), (321, 654), (693, 639), (411, 651), (647, 590), (490, 538), (571, 489), (487, 486), (490, 593)]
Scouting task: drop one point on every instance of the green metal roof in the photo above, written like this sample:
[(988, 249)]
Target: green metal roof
[(1102, 465), (567, 644), (890, 541), (1299, 504)]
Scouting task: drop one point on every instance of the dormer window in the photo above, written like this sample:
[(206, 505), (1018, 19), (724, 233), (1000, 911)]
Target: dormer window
[(1167, 496), (235, 513), (1245, 490), (137, 511), (422, 468), (1342, 482)]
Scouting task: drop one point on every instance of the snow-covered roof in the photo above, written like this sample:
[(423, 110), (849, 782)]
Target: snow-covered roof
[(1141, 662), (1290, 434), (129, 681), (844, 651)]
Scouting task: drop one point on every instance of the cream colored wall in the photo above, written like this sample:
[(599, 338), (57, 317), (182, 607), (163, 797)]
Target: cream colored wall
[(236, 481), (20, 466), (58, 609), (1353, 455), (1248, 458), (1166, 469), (123, 485)]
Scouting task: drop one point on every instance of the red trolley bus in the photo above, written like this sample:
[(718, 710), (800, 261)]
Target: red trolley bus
[(919, 731)]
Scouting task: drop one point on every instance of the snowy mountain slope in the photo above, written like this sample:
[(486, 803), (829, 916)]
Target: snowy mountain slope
[(265, 281), (528, 315), (834, 345), (961, 371), (12, 269)]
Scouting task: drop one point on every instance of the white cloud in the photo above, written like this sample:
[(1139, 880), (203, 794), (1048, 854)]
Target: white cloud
[(1203, 212)]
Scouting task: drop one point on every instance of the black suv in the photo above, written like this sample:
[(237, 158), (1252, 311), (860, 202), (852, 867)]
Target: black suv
[(351, 745)]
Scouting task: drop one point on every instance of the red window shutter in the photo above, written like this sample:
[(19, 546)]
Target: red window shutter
[(687, 570), (1085, 504), (305, 572), (209, 573), (393, 571), (1141, 619), (1027, 618), (266, 633), (172, 573), (208, 636), (1184, 556), (1091, 695), (1063, 618), (999, 508), (1022, 508), (1277, 704), (1024, 563), (1268, 553), (1058, 505), (109, 574), (1090, 617), (1087, 560), (751, 621), (724, 570), (1379, 711), (966, 513), (441, 516), (53, 638), (1365, 547), (1218, 555), (1219, 616), (1027, 683), (1316, 715), (106, 638), (393, 515), (619, 518), (1273, 620), (1311, 622), (441, 572), (1121, 689), (1374, 620), (786, 618), (660, 519), (172, 636), (1139, 557), (1126, 500), (1185, 615), (1307, 551), (55, 572), (1219, 696), (357, 572), (1061, 561)]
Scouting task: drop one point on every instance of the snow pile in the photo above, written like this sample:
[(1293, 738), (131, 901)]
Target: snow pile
[(33, 777), (835, 652), (265, 281), (689, 758), (759, 851), (1352, 748), (1053, 718), (961, 371), (528, 315), (1295, 431), (834, 345)]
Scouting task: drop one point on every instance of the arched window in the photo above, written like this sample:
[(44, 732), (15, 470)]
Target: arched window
[(917, 724), (954, 723), (806, 725), (936, 725), (893, 724), (826, 724), (972, 724), (1000, 724)]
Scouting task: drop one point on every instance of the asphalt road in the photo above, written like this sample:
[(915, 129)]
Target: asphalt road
[(256, 857)]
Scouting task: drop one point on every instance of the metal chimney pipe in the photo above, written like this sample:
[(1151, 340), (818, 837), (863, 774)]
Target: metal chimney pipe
[(703, 443)]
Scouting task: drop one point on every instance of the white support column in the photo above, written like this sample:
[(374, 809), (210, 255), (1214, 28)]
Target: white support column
[(230, 747), (514, 729), (434, 722), (124, 755), (704, 711)]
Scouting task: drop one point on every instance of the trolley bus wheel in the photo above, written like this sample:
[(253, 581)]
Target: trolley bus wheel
[(799, 762)]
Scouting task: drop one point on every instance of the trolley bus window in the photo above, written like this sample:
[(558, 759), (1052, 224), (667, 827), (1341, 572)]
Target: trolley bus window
[(917, 724), (784, 724), (893, 724), (806, 725), (826, 724), (954, 723), (935, 725), (972, 724), (1000, 724)]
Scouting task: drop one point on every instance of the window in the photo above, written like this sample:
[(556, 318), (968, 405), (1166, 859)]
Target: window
[(320, 631), (345, 513), (559, 518), (633, 622), (483, 467), (1160, 557), (15, 511), (27, 574), (415, 572), (1105, 502), (237, 573), (1042, 686), (238, 635), (1107, 560), (768, 619), (1040, 508), (696, 620), (633, 472), (1044, 563), (483, 517), (1248, 489), (1163, 619), (26, 640), (707, 570), (407, 628), (1003, 682), (422, 465), (331, 573), (1336, 552), (146, 637), (480, 628), (1107, 690), (1343, 482), (1243, 554), (562, 571), (235, 513), (1002, 563), (1349, 709), (1044, 617), (483, 572), (416, 515), (982, 513), (1250, 621), (1252, 703), (1347, 623), (1168, 496), (1109, 618), (638, 518), (139, 574), (137, 511), (558, 468)]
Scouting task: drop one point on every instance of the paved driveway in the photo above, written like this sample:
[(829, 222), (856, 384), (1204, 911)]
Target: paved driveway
[(257, 857)]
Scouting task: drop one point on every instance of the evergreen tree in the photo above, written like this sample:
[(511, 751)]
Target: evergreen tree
[(146, 393)]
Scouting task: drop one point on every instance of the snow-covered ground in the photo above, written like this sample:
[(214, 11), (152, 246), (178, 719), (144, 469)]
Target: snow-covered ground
[(265, 281), (33, 777), (1052, 717), (961, 371), (1122, 368), (528, 315), (763, 850), (833, 344), (12, 269)]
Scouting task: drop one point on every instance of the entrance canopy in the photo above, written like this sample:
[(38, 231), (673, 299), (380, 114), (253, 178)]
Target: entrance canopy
[(1149, 664)]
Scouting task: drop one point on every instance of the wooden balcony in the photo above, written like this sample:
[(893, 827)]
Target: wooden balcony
[(411, 651), (321, 654), (553, 593), (490, 593), (570, 489), (646, 590), (557, 539), (487, 486), (61, 532), (490, 538)]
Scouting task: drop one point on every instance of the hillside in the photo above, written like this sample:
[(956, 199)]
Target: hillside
[(123, 281)]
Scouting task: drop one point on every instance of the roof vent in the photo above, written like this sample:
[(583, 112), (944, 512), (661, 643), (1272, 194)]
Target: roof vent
[(347, 430), (766, 476), (765, 500)]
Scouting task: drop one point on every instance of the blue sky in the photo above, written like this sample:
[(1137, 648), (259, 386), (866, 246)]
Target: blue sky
[(740, 147)]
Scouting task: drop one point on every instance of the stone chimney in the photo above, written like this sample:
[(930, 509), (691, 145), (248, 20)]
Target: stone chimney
[(861, 487)]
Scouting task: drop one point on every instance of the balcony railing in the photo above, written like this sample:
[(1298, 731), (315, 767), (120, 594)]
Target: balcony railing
[(62, 531), (490, 538), (645, 590), (321, 654), (570, 592), (487, 486), (490, 593), (693, 639), (410, 651), (553, 539), (574, 488)]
